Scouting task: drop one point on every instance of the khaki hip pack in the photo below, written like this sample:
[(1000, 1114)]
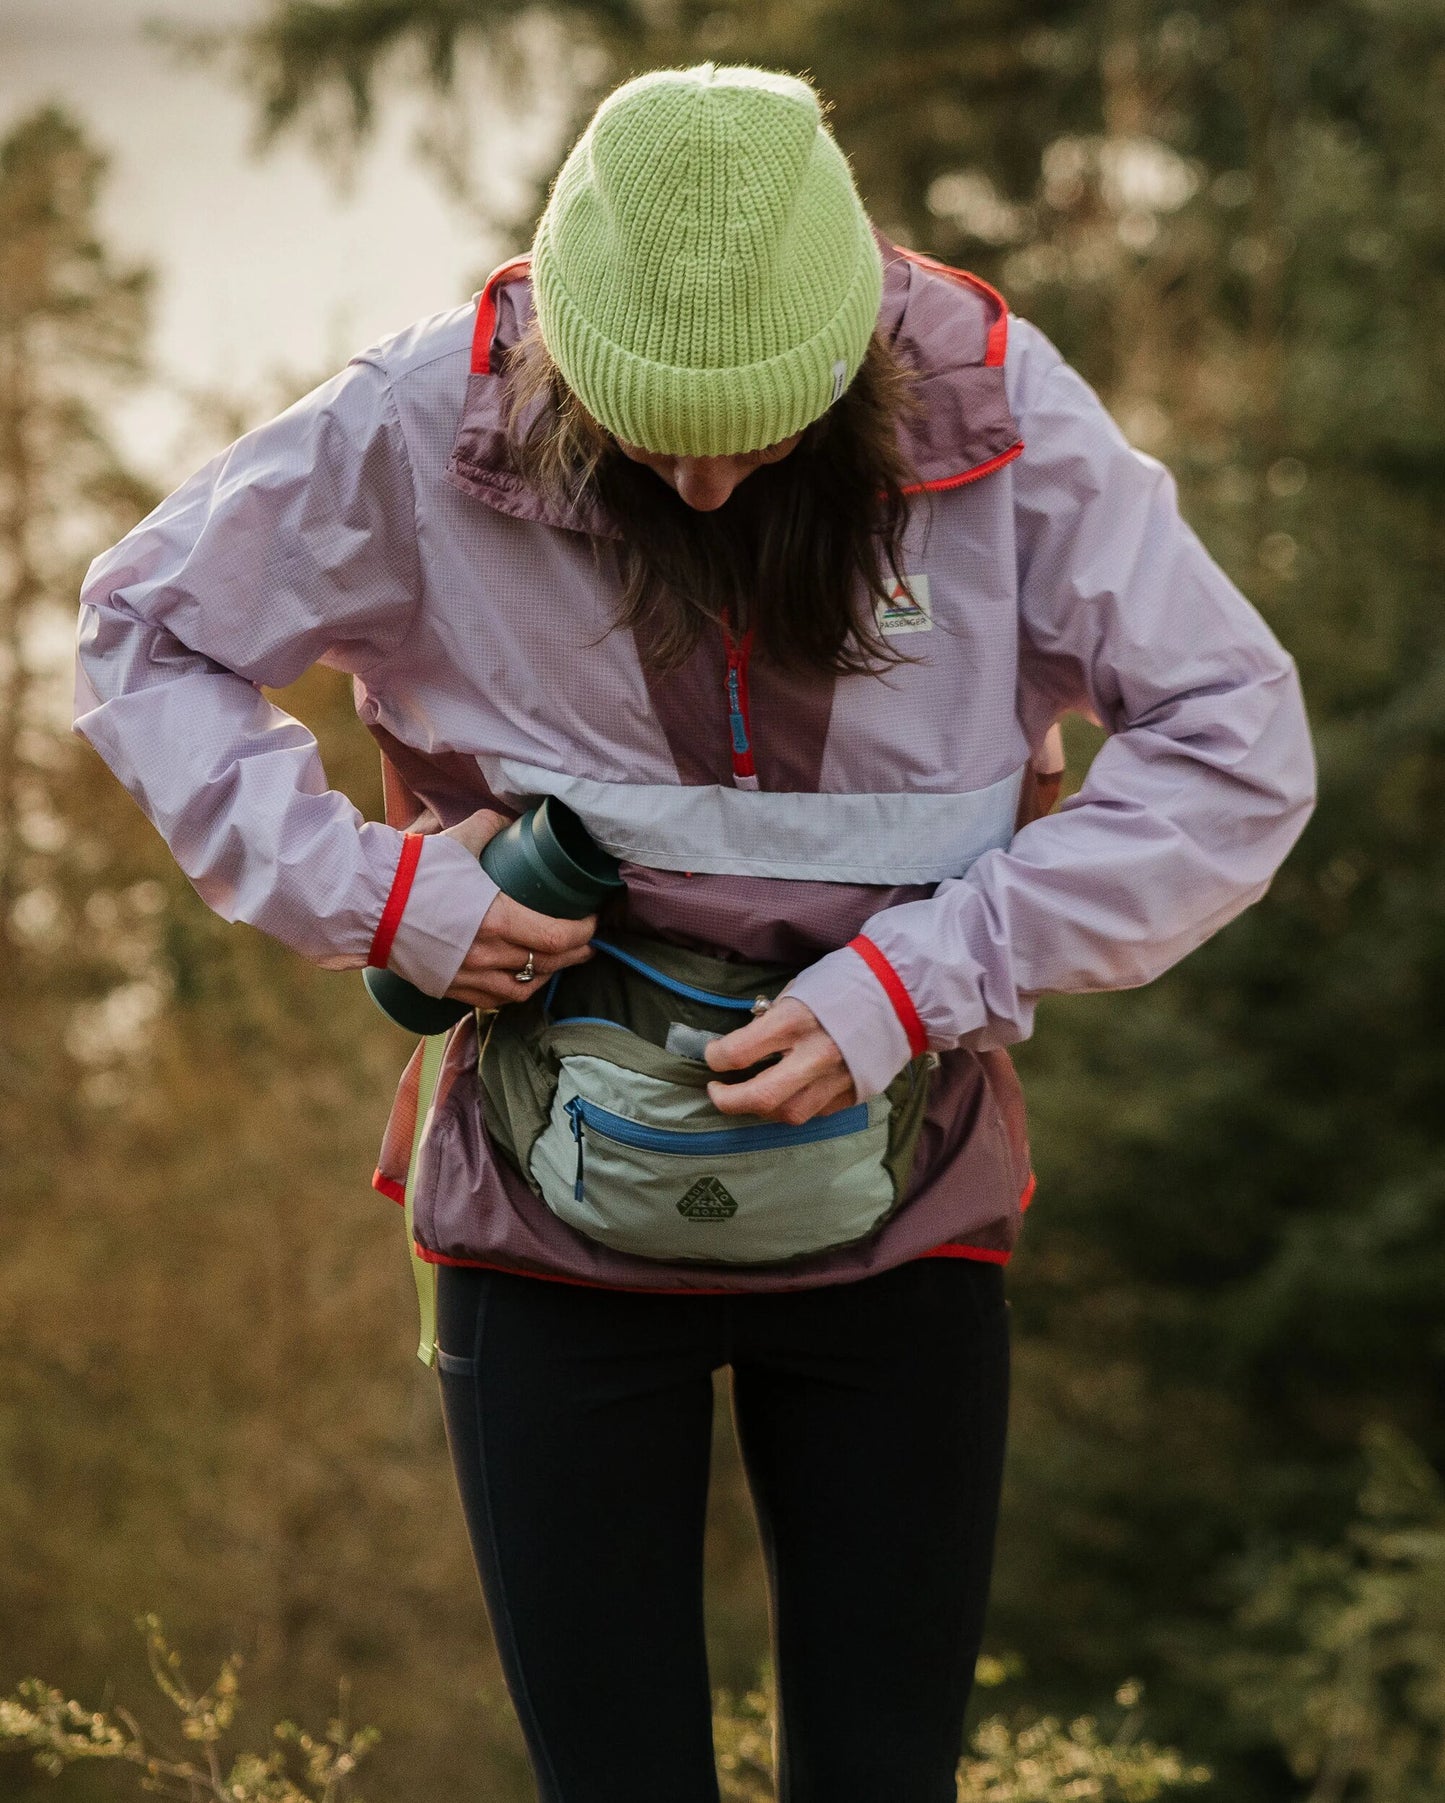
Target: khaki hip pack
[(596, 1091)]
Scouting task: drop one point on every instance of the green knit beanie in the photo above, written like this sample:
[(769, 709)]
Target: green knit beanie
[(704, 275)]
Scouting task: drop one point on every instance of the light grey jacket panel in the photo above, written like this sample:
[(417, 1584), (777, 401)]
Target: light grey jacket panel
[(1193, 802)]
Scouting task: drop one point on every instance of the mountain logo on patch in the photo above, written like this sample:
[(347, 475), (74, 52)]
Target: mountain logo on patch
[(707, 1200), (908, 608)]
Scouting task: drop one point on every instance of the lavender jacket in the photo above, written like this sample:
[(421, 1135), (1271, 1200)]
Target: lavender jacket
[(863, 828)]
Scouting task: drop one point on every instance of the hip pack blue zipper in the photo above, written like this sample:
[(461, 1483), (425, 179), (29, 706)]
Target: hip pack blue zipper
[(716, 1143)]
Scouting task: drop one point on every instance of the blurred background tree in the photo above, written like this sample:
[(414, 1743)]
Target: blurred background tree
[(1231, 218)]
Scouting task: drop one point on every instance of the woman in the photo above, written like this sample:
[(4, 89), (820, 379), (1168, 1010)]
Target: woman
[(776, 552)]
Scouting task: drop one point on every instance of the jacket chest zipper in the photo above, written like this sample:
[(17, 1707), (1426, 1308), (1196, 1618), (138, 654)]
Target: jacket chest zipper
[(740, 728)]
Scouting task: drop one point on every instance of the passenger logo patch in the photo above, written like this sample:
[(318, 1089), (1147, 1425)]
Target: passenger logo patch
[(908, 608), (707, 1200)]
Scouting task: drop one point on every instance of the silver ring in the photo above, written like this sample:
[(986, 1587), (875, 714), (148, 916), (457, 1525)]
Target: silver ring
[(528, 970)]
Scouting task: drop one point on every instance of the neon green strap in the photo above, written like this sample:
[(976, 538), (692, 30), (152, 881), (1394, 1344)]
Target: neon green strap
[(432, 1053)]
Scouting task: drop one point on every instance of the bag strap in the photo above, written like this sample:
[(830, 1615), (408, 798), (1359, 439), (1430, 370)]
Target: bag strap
[(674, 984), (425, 1275)]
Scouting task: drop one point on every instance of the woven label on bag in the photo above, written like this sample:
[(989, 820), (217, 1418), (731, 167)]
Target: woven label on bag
[(707, 1200)]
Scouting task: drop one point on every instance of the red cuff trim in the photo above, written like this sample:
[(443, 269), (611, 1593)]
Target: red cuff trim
[(396, 901), (894, 990), (388, 1186), (1028, 1195)]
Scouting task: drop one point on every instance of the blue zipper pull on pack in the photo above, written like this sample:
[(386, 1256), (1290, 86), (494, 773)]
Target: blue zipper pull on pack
[(574, 1114)]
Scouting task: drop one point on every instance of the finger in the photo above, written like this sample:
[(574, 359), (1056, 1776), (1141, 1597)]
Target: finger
[(477, 829), (489, 955), (782, 1026), (509, 920), (489, 991), (825, 1095), (767, 1092), (499, 988)]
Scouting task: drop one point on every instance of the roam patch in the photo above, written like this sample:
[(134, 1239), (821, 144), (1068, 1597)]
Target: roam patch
[(707, 1200), (908, 607)]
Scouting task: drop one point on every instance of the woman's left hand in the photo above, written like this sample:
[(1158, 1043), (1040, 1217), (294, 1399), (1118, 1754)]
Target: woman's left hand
[(810, 1077)]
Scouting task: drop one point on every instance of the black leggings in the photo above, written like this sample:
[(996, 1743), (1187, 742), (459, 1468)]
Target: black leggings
[(871, 1418)]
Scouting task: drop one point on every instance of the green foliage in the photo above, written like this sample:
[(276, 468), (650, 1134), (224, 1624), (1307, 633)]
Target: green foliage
[(911, 83), (742, 1735), (1342, 1658), (297, 1768), (1010, 1761), (1048, 1760), (72, 325), (1036, 1763)]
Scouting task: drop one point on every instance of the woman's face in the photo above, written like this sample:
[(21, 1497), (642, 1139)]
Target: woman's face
[(706, 482)]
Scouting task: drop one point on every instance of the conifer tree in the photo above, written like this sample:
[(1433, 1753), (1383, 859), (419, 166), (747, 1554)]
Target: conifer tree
[(208, 1401), (71, 322)]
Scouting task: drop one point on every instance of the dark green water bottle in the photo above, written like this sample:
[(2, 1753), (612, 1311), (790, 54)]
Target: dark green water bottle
[(547, 861)]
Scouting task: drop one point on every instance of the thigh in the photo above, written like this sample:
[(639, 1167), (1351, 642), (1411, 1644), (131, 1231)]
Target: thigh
[(579, 1425), (872, 1418)]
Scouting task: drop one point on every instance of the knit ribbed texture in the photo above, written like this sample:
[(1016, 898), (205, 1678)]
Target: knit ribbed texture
[(704, 274)]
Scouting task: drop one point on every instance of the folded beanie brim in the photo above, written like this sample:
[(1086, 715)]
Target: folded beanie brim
[(681, 411)]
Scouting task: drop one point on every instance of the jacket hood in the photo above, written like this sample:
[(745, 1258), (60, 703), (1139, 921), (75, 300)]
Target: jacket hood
[(950, 327)]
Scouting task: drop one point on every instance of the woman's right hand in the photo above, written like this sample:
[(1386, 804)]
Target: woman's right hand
[(509, 932)]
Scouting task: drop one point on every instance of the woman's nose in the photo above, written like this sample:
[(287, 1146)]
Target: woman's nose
[(706, 482)]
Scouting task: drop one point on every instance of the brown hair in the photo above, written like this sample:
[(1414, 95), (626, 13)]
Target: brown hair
[(800, 552)]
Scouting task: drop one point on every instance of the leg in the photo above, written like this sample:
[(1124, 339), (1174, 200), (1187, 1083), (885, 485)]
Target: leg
[(579, 1425), (872, 1417)]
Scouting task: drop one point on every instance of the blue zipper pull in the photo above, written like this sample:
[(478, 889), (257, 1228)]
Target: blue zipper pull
[(736, 722), (740, 732), (574, 1114)]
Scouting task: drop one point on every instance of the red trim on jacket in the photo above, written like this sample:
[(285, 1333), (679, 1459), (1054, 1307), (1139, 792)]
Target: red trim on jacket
[(1028, 1195), (894, 990), (388, 1186), (985, 1253), (979, 469), (581, 1283), (396, 901), (994, 351), (487, 313), (996, 344)]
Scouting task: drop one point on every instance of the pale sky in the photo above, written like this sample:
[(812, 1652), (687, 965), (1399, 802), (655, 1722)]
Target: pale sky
[(263, 265)]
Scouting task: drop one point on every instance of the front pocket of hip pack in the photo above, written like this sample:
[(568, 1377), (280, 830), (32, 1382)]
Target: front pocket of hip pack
[(651, 1168)]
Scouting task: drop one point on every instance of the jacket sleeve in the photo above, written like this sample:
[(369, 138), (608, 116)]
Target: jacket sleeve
[(1192, 803), (295, 546)]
